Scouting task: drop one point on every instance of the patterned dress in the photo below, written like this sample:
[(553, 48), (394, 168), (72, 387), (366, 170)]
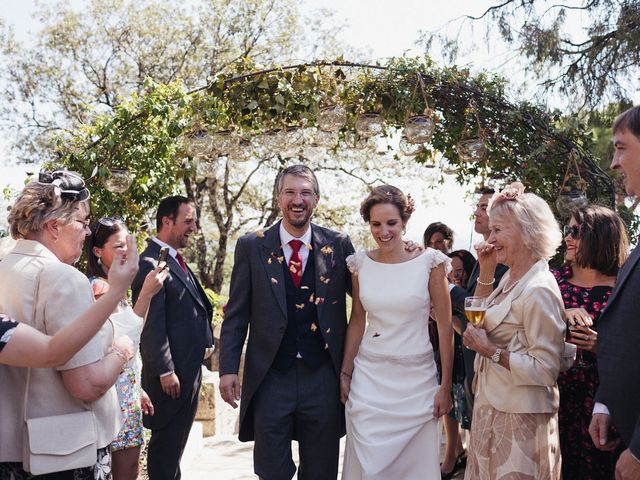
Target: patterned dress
[(578, 385), (128, 385)]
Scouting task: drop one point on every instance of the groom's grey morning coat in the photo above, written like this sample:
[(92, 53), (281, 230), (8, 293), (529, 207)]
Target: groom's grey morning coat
[(257, 300)]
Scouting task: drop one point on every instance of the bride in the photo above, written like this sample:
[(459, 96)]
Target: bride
[(388, 379)]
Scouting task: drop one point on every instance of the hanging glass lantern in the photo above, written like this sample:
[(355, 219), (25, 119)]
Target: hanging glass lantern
[(119, 180), (419, 129), (224, 142), (570, 199), (243, 152), (196, 144), (472, 149), (324, 138), (409, 148), (369, 124), (332, 118), (366, 144)]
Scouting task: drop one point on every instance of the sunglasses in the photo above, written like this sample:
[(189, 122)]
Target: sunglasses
[(108, 222), (571, 230)]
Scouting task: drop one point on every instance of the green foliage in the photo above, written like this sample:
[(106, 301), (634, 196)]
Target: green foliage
[(523, 141), (217, 302), (594, 64)]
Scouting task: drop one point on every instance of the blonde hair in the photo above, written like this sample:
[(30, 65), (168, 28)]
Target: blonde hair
[(37, 204), (540, 230)]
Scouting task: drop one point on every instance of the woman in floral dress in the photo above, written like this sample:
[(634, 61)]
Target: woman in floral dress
[(107, 239), (597, 246)]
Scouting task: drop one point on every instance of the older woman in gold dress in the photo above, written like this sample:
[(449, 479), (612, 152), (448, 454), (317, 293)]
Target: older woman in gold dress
[(514, 433)]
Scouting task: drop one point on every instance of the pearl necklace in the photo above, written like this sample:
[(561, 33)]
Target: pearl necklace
[(506, 289)]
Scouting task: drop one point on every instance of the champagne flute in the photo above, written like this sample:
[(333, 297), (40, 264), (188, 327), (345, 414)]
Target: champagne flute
[(475, 308)]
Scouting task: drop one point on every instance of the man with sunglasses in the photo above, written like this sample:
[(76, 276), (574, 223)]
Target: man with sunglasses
[(174, 339), (618, 396)]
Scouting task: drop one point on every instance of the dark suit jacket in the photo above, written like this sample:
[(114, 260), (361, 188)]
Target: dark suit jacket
[(257, 298), (175, 335), (619, 354)]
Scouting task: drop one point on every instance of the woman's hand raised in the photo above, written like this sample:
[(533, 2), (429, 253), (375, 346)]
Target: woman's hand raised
[(124, 267)]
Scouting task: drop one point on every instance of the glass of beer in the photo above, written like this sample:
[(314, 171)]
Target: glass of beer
[(474, 309)]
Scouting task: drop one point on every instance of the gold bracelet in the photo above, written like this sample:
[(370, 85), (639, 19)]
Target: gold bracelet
[(488, 284), (345, 374)]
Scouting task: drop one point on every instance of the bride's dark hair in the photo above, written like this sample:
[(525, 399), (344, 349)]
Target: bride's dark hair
[(388, 194)]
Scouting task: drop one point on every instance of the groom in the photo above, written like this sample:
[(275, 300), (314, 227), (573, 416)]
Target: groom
[(288, 289)]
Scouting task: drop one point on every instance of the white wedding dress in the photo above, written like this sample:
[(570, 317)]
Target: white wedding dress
[(391, 432)]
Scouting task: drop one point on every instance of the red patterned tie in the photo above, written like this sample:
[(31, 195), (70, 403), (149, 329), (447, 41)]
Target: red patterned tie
[(181, 262), (295, 262)]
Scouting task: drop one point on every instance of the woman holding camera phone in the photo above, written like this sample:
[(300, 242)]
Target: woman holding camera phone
[(106, 241), (597, 246)]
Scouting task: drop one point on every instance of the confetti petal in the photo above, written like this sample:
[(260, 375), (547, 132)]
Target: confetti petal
[(335, 302), (314, 327), (311, 298), (274, 281), (260, 234), (328, 330), (299, 306), (326, 346), (326, 250), (304, 287), (319, 300), (309, 246), (269, 261), (280, 259)]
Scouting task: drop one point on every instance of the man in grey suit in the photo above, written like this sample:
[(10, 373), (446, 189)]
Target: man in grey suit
[(176, 334), (481, 226), (288, 289), (618, 347)]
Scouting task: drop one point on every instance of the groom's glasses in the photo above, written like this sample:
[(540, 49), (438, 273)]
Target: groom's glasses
[(571, 230)]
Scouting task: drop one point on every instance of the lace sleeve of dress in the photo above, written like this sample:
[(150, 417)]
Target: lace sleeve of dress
[(354, 262), (7, 327), (435, 258)]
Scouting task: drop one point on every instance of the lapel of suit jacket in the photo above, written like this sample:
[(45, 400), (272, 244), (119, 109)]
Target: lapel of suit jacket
[(500, 311), (177, 271), (627, 268), (323, 254), (272, 259), (473, 279)]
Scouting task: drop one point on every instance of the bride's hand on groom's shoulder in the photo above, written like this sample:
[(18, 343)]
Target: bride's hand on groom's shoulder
[(442, 403)]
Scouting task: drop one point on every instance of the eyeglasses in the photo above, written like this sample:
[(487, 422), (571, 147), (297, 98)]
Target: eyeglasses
[(571, 230)]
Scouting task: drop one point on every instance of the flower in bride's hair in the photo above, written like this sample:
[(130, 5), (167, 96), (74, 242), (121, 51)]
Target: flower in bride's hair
[(510, 192), (411, 204)]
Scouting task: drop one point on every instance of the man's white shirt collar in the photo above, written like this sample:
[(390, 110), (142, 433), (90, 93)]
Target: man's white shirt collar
[(286, 237), (172, 251)]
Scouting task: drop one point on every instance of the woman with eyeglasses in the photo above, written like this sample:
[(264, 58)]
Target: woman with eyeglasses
[(596, 247), (106, 242), (40, 287)]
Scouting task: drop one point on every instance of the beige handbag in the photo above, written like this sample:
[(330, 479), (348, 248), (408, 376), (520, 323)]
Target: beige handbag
[(48, 448), (60, 442)]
